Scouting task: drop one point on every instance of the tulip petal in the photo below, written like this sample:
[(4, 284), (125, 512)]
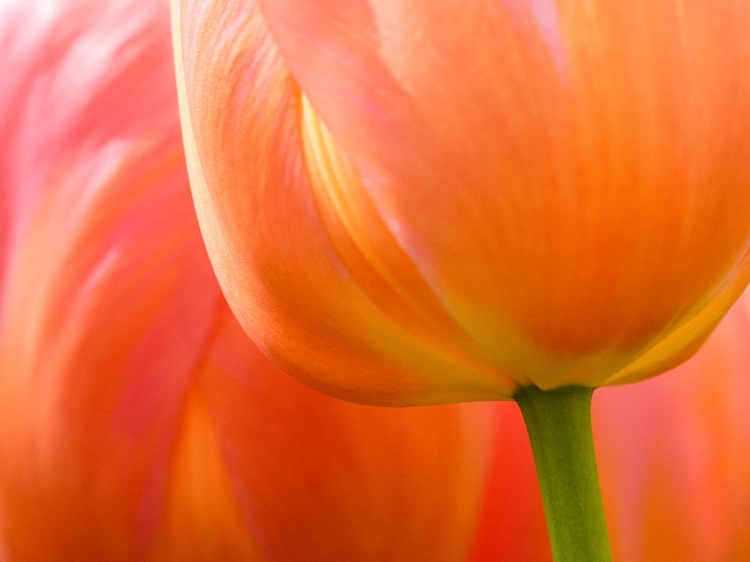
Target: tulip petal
[(553, 178), (106, 298), (317, 466), (279, 247)]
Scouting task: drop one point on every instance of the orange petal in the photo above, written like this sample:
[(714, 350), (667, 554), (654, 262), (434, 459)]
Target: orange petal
[(371, 332), (511, 522), (562, 200)]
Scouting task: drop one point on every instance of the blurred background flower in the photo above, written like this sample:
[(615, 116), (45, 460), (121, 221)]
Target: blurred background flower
[(138, 422)]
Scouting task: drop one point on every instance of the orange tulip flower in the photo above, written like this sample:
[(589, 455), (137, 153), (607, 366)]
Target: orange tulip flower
[(416, 202), (137, 421)]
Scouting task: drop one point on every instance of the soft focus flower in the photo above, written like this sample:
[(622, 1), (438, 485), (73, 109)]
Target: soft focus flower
[(415, 201), (137, 422), (674, 457)]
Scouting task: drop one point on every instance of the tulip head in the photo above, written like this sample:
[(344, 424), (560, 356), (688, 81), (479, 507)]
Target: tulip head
[(408, 202)]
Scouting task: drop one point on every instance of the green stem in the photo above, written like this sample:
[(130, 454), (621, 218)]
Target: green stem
[(559, 426)]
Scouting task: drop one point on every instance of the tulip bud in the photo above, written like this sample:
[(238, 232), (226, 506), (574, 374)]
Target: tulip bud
[(418, 202)]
